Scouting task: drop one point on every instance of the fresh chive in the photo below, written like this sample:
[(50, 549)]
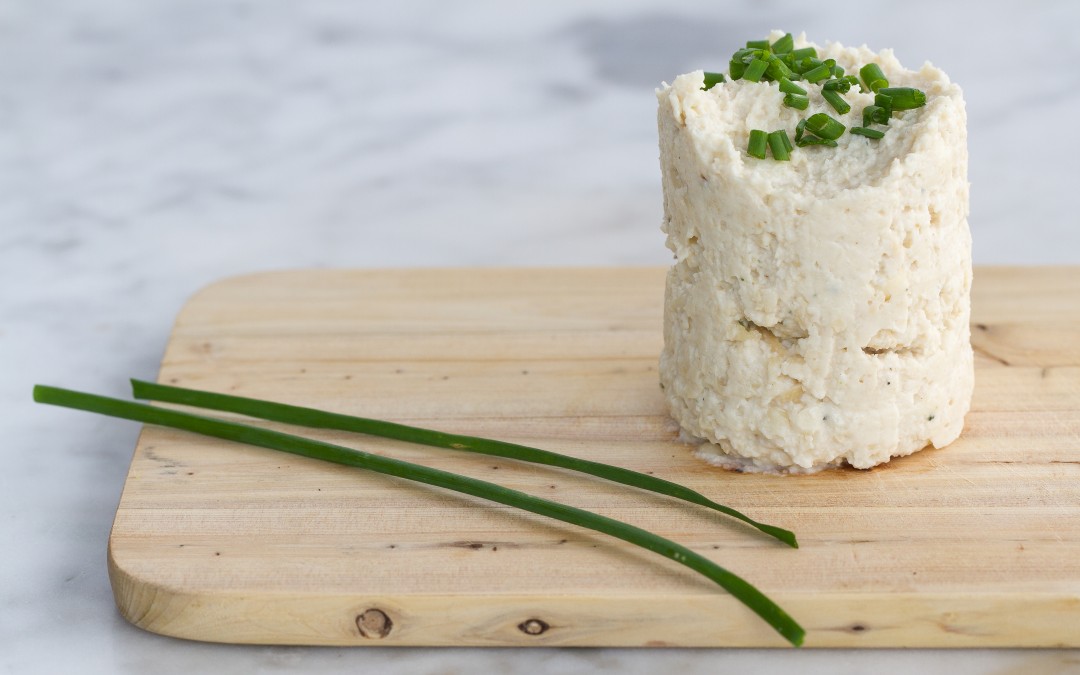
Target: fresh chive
[(814, 140), (275, 440), (873, 77), (784, 44), (756, 146), (797, 101), (757, 44), (836, 101), (841, 84), (778, 69), (799, 128), (804, 53), (736, 69), (837, 71), (755, 70), (869, 133), (873, 114), (780, 145), (904, 98), (885, 102), (818, 73), (320, 419), (824, 126), (805, 64), (713, 79), (789, 87)]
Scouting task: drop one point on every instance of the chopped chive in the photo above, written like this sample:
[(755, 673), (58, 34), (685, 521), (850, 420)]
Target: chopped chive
[(755, 70), (825, 126), (869, 133), (841, 84), (739, 54), (818, 73), (873, 77), (757, 44), (804, 53), (736, 69), (836, 101), (713, 79), (814, 140), (884, 102), (320, 419), (873, 114), (797, 101), (780, 145), (275, 440), (837, 71), (777, 68), (904, 98), (806, 64), (789, 87), (758, 142), (784, 44), (799, 128)]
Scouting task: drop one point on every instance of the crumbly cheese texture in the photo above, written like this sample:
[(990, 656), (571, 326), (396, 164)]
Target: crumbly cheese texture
[(817, 312)]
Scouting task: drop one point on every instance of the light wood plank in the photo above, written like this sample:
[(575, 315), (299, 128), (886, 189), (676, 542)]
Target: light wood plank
[(973, 545)]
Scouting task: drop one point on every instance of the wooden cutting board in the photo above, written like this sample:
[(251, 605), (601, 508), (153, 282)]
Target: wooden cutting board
[(977, 544)]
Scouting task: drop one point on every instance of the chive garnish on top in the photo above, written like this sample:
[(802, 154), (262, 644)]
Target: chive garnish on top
[(780, 62)]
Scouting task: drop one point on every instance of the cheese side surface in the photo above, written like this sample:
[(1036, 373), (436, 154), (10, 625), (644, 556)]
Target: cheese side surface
[(817, 312)]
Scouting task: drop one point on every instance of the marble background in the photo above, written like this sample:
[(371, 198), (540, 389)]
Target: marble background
[(149, 147)]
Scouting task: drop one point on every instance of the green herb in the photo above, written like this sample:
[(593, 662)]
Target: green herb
[(797, 101), (778, 69), (755, 70), (784, 44), (823, 126), (799, 128), (904, 98), (837, 71), (803, 53), (840, 84), (885, 102), (836, 101), (755, 148), (818, 73), (757, 44), (789, 87), (873, 114), (814, 140), (738, 587), (713, 79), (869, 133), (780, 145), (321, 419), (873, 77), (736, 69)]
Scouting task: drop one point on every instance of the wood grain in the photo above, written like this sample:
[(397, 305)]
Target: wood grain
[(977, 544)]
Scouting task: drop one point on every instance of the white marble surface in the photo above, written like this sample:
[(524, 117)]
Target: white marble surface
[(150, 147)]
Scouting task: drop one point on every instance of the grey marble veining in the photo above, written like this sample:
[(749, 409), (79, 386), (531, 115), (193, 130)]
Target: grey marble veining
[(149, 147)]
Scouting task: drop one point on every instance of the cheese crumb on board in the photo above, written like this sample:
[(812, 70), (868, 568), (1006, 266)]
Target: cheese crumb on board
[(817, 311)]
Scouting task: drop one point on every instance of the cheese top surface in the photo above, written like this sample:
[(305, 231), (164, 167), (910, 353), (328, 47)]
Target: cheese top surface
[(722, 117)]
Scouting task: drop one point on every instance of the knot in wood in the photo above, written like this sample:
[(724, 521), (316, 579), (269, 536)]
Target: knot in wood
[(533, 627), (374, 623)]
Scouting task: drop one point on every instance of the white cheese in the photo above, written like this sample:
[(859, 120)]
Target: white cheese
[(817, 311)]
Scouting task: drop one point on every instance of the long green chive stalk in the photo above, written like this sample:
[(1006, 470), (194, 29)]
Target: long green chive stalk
[(742, 590), (321, 419)]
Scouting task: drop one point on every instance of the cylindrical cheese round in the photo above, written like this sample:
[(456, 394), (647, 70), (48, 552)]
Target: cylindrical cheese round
[(817, 311)]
